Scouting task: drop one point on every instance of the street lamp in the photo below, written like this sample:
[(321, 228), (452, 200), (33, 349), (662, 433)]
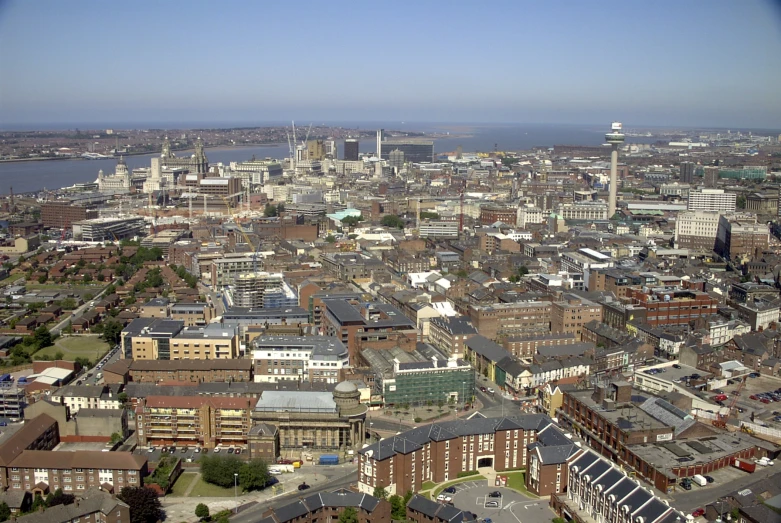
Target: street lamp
[(236, 491)]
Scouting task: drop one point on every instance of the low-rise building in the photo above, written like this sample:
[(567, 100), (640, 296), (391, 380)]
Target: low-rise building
[(297, 358), (76, 397), (95, 506), (449, 334), (499, 320), (328, 506), (423, 510), (183, 370), (316, 420)]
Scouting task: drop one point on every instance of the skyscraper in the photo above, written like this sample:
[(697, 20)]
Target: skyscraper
[(396, 159), (687, 172), (351, 149), (380, 138), (710, 176)]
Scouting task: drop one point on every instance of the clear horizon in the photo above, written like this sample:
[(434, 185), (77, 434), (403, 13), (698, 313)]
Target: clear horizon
[(698, 64)]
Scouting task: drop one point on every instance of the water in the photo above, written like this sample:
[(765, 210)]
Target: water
[(53, 174)]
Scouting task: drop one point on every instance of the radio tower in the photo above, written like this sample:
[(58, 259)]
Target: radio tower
[(615, 138)]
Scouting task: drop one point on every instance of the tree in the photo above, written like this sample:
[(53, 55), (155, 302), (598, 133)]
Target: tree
[(558, 520), (392, 220), (398, 508), (5, 511), (43, 277), (523, 271), (330, 238), (352, 221), (380, 492), (68, 304), (144, 504), (85, 363), (123, 399), (112, 331), (270, 210), (59, 355), (101, 277), (219, 470), (59, 498), (349, 515), (254, 475), (116, 438), (42, 337), (38, 503), (407, 497), (202, 511)]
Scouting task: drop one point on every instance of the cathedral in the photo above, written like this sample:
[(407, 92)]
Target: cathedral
[(196, 164), (117, 183)]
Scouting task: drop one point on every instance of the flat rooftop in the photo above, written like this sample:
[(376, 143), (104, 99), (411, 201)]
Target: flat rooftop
[(627, 416), (690, 452)]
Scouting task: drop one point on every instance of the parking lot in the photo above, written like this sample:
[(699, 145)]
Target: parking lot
[(187, 454), (510, 507), (762, 411)]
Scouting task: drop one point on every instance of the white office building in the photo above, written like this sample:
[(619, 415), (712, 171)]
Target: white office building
[(711, 200)]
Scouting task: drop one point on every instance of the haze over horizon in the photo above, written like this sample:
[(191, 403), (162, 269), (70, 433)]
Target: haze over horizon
[(691, 64)]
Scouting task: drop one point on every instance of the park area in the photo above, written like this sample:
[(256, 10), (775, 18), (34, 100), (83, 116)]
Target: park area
[(90, 347), (191, 484)]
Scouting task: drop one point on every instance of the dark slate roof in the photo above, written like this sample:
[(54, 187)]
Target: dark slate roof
[(487, 348), (455, 325), (414, 439), (291, 511), (558, 454), (622, 488), (432, 509)]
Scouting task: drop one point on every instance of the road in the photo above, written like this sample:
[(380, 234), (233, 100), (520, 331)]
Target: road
[(211, 297), (57, 329)]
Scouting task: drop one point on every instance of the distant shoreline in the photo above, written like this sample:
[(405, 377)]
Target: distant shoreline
[(79, 158)]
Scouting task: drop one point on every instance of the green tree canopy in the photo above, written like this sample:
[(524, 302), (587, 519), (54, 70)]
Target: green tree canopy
[(348, 515), (112, 331), (144, 504), (201, 511), (380, 492), (5, 511), (254, 475), (42, 337), (392, 220)]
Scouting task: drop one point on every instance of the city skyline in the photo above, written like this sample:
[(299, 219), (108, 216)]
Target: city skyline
[(669, 64)]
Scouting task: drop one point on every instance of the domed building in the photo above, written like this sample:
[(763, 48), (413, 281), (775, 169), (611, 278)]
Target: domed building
[(312, 420), (117, 183)]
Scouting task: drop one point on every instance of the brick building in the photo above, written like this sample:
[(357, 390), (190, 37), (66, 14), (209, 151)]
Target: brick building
[(328, 506), (672, 306), (491, 214), (572, 313), (526, 346), (449, 334), (438, 452), (198, 421), (193, 371), (506, 319), (61, 215)]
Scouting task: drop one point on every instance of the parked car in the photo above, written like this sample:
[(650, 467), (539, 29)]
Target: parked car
[(676, 366), (303, 486), (482, 389), (709, 479), (450, 490), (217, 449), (495, 494), (699, 512), (230, 450), (492, 504)]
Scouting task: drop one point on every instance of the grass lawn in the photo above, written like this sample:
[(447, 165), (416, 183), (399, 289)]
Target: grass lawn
[(428, 485), (443, 486), (517, 481), (91, 347), (181, 485), (207, 490)]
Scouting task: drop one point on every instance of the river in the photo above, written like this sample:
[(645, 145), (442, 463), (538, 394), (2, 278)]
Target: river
[(29, 176)]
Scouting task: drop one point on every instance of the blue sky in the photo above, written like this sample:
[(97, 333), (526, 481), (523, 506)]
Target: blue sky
[(655, 62)]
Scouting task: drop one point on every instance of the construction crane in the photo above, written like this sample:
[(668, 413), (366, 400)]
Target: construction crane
[(243, 233), (721, 422)]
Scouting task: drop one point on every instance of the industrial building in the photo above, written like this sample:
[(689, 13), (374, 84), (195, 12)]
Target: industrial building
[(107, 229)]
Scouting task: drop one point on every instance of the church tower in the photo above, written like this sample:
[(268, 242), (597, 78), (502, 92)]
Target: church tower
[(166, 149), (201, 163)]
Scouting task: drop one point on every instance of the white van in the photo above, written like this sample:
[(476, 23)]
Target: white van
[(700, 480)]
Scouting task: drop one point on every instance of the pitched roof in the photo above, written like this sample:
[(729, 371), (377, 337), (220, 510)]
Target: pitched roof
[(486, 348), (87, 459), (92, 502), (22, 438), (432, 509)]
